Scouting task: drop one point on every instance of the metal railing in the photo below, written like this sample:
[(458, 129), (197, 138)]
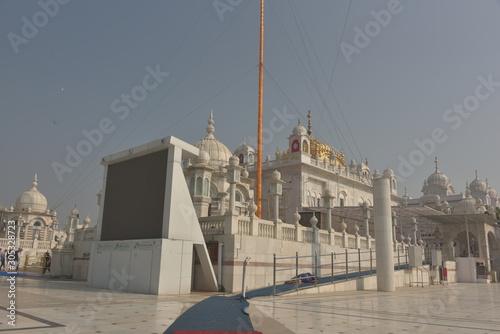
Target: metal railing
[(324, 268)]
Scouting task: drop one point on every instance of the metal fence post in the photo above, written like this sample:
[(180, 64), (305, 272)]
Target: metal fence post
[(332, 266), (274, 274), (399, 261), (346, 265), (316, 268), (371, 262), (359, 262), (296, 270)]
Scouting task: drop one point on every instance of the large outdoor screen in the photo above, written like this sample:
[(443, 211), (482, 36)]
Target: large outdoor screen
[(134, 198)]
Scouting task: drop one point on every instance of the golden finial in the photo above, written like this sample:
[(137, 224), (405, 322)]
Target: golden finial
[(309, 116)]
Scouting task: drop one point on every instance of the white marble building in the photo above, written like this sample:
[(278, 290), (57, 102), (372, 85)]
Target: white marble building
[(308, 167)]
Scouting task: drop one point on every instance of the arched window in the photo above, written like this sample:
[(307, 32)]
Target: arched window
[(237, 197), (341, 203), (199, 186), (242, 158), (37, 224), (206, 187), (191, 186), (319, 200), (305, 146), (313, 201)]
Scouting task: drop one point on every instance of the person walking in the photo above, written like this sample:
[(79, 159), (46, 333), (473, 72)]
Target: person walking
[(18, 255), (2, 259), (46, 262)]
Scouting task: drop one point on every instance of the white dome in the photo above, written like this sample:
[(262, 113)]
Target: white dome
[(32, 199), (75, 211), (203, 157), (478, 185), (438, 179), (388, 172), (244, 148), (218, 152), (493, 193), (467, 205), (299, 130)]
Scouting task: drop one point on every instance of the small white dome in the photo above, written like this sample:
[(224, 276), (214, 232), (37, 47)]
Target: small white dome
[(493, 193), (245, 173), (244, 148), (478, 185), (87, 220), (32, 200), (299, 130), (234, 161), (219, 153), (276, 175), (75, 211), (467, 205), (388, 172), (203, 157)]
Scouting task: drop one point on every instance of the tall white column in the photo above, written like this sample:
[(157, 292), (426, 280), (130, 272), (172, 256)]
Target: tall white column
[(232, 195), (383, 233)]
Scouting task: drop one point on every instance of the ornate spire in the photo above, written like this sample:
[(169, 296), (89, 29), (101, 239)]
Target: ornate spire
[(436, 163), (35, 181), (244, 140), (476, 175), (309, 130), (467, 190), (210, 127)]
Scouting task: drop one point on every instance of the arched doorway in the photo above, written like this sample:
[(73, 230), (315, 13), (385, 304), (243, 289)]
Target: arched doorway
[(494, 251), (461, 249)]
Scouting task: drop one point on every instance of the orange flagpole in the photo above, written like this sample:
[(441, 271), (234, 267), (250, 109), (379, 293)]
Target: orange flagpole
[(259, 122)]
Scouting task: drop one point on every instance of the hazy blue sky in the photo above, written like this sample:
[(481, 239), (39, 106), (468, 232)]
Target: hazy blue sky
[(402, 77)]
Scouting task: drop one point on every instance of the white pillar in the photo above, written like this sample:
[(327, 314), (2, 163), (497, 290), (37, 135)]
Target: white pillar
[(414, 229), (383, 233), (276, 207), (232, 195)]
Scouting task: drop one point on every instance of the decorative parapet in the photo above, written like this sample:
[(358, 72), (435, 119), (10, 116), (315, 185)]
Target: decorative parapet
[(243, 225)]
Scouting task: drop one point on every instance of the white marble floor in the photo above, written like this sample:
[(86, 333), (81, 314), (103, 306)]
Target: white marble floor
[(52, 306), (454, 308), (59, 306)]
